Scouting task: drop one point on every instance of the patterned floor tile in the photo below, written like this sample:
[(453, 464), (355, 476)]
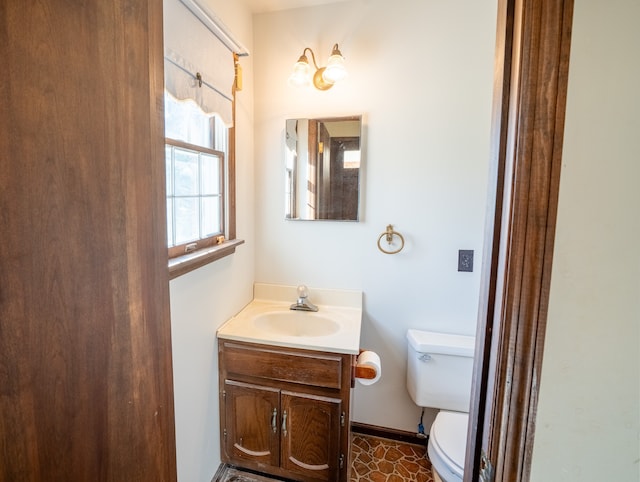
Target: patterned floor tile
[(381, 460)]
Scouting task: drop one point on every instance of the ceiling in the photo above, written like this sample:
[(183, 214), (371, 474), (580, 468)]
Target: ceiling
[(261, 6)]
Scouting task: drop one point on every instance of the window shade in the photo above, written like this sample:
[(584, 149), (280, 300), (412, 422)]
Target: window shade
[(198, 66)]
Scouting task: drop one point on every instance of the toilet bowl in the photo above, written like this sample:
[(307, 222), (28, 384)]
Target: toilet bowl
[(447, 446), (439, 371)]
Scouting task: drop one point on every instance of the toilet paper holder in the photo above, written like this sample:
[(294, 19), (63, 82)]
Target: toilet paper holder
[(364, 372)]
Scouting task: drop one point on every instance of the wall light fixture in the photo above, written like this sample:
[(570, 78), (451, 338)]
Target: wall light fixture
[(324, 77)]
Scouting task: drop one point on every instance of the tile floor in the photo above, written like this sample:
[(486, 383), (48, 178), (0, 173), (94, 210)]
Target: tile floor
[(381, 460), (373, 459)]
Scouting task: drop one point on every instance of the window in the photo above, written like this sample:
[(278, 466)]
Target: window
[(201, 77), (197, 172), (195, 176), (194, 196)]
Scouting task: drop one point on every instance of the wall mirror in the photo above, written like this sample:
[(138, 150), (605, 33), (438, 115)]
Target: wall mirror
[(322, 168)]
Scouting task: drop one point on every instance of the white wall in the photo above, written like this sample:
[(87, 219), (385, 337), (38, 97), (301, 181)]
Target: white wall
[(421, 74), (203, 299), (588, 424)]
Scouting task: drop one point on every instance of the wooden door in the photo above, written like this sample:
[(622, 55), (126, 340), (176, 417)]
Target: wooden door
[(532, 59), (252, 422), (85, 350), (310, 435)]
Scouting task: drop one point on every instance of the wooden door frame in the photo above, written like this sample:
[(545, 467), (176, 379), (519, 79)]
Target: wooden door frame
[(530, 89)]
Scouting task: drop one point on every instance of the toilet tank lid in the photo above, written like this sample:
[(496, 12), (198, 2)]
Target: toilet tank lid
[(441, 343)]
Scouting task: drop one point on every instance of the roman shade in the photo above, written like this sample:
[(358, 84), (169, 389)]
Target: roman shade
[(199, 65)]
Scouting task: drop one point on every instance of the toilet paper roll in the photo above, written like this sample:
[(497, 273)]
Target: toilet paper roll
[(372, 360)]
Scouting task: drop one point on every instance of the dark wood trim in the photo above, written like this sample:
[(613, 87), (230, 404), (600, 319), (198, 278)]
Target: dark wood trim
[(483, 370), (532, 71), (184, 264), (388, 433)]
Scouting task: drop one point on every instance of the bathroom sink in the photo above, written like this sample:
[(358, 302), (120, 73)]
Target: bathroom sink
[(296, 323), (267, 320)]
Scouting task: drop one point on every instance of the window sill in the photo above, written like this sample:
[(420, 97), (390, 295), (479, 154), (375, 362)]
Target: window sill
[(183, 264)]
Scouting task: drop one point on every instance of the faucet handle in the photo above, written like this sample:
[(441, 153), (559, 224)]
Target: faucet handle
[(303, 291)]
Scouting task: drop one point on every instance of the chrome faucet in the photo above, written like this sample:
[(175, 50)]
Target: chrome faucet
[(302, 304)]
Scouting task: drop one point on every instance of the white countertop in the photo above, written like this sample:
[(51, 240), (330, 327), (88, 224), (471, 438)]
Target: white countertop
[(344, 307)]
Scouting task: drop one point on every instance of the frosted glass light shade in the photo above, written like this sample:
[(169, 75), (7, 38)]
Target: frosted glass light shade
[(301, 75), (335, 70)]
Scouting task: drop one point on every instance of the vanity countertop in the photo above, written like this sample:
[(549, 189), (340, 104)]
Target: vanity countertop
[(335, 327)]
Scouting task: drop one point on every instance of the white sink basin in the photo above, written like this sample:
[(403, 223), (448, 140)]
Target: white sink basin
[(268, 320), (296, 323)]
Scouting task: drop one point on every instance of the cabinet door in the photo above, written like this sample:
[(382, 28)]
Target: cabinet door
[(310, 435), (251, 422)]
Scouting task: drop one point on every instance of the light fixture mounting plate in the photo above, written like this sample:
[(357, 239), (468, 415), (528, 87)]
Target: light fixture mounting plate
[(319, 82)]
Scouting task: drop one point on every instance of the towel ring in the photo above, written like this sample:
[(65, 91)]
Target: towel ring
[(388, 235)]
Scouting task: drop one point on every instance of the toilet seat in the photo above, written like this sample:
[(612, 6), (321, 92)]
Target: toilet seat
[(448, 443)]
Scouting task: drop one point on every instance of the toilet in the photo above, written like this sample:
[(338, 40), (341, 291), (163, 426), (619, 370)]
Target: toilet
[(439, 371)]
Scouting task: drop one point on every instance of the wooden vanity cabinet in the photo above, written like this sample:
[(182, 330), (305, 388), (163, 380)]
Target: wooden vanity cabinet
[(285, 411)]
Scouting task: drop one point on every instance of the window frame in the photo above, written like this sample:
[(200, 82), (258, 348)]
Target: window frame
[(214, 239)]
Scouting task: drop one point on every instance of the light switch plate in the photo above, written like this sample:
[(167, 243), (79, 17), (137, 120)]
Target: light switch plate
[(465, 260)]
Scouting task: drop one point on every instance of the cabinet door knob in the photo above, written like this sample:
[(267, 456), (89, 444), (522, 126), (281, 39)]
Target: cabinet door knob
[(284, 423)]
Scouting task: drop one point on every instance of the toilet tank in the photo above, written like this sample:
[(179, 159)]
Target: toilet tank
[(439, 369)]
